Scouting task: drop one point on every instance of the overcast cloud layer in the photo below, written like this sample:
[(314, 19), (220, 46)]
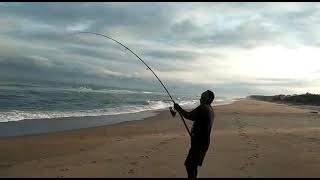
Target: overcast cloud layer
[(231, 48)]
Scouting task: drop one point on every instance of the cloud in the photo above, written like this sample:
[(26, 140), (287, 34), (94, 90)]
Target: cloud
[(231, 45)]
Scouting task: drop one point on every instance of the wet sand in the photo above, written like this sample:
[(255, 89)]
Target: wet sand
[(249, 139)]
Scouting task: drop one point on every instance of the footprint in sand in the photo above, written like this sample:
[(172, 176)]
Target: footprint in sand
[(65, 169), (155, 148), (131, 171), (167, 140), (108, 159), (163, 142), (133, 162), (253, 146), (145, 156), (5, 165), (242, 168), (255, 155)]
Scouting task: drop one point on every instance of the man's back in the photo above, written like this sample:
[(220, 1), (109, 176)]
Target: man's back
[(201, 129), (202, 116)]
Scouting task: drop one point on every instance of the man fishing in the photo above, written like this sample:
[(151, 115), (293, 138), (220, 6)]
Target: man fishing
[(203, 117)]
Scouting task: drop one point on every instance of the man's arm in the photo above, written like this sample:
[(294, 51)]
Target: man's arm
[(193, 115)]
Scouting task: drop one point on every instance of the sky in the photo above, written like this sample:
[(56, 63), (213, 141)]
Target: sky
[(234, 48)]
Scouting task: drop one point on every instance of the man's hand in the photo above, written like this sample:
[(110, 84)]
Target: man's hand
[(176, 106)]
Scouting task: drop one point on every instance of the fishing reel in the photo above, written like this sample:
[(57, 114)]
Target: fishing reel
[(172, 111)]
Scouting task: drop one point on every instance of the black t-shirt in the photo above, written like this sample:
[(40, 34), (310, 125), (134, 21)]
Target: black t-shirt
[(203, 117)]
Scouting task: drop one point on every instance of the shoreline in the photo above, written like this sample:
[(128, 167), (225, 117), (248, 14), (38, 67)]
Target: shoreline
[(29, 127), (65, 124)]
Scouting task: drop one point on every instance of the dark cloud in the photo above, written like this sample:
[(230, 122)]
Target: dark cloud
[(42, 68), (98, 15), (104, 54), (278, 26), (39, 34), (251, 33), (170, 54), (185, 28), (31, 70)]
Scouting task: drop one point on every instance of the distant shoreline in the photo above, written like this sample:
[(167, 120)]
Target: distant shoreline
[(295, 99), (304, 101)]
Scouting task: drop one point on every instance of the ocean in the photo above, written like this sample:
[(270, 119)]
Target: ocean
[(81, 106)]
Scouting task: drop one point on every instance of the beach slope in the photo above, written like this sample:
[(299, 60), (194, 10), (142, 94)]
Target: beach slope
[(249, 139)]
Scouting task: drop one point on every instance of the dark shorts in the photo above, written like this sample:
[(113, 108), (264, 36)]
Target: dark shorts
[(196, 155)]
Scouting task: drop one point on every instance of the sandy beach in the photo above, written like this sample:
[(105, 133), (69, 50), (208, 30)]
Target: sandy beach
[(249, 139)]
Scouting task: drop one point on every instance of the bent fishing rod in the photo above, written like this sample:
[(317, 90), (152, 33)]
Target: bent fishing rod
[(85, 32)]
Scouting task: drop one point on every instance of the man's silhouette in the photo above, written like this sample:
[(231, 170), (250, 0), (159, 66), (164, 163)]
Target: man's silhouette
[(203, 117)]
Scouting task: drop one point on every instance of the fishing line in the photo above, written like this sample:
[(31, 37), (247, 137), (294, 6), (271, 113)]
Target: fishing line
[(148, 68)]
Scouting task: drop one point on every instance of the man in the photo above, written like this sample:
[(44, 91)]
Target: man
[(203, 117)]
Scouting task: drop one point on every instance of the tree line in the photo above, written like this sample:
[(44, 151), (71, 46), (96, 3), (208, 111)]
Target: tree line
[(306, 99)]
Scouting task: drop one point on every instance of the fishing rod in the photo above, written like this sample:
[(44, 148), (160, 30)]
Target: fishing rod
[(171, 110)]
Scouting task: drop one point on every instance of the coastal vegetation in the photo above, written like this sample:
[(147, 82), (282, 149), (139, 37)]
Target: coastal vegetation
[(305, 99)]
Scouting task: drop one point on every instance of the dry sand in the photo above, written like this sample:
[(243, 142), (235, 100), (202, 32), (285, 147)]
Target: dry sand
[(249, 139)]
